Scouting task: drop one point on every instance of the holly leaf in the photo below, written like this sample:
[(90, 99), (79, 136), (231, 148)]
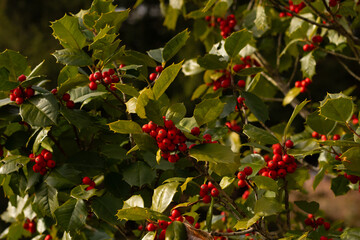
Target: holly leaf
[(208, 110), (163, 196), (237, 41), (166, 77), (71, 216), (174, 45), (125, 127), (73, 57)]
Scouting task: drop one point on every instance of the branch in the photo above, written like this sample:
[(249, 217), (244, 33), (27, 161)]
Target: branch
[(228, 234), (349, 71), (352, 130), (338, 54)]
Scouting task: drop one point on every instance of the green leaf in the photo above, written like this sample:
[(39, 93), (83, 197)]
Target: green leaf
[(250, 71), (46, 199), (14, 62), (265, 183), (339, 185), (215, 153), (166, 77), (319, 177), (152, 110), (78, 80), (134, 201), (113, 18), (32, 81), (208, 5), (226, 182), (296, 111), (319, 123), (67, 31), (80, 192), (212, 61), (73, 57), (350, 234), (63, 177), (291, 95), (237, 41), (156, 54), (80, 119), (127, 89), (267, 206), (163, 196), (351, 160), (309, 207), (125, 127), (145, 142), (259, 135), (13, 163), (176, 231), (176, 112), (261, 18), (71, 216), (208, 110), (149, 236), (138, 174), (209, 215), (256, 106), (308, 65), (337, 107), (105, 207), (246, 222), (175, 44), (139, 214)]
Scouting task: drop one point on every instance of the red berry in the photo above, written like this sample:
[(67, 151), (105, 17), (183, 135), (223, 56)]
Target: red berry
[(162, 235), (47, 156), (248, 170), (323, 138), (315, 134), (241, 83), (323, 238), (214, 192), (336, 137), (29, 92), (48, 237), (21, 78), (36, 168), (146, 128), (272, 174), (276, 157), (89, 188), (32, 157), (206, 199), (97, 76), (39, 158), (241, 183), (151, 227), (173, 158), (182, 147), (93, 86), (289, 144), (175, 213), (66, 97), (309, 221), (237, 67), (225, 83), (86, 181), (171, 134), (327, 225), (107, 80), (51, 164), (92, 78), (190, 219), (70, 104), (54, 91), (320, 221), (298, 84), (291, 168), (241, 175), (111, 71), (195, 131), (12, 97), (115, 79), (204, 187), (277, 151), (43, 171), (272, 164), (197, 225), (210, 185), (152, 76), (281, 173), (168, 124), (163, 224), (159, 69), (19, 100)]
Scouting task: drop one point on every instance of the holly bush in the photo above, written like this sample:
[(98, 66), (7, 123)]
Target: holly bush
[(107, 154)]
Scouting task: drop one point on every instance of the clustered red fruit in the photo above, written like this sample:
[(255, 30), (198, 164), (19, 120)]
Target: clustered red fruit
[(87, 181), (233, 126), (354, 119), (208, 190), (106, 77), (324, 137), (352, 178), (241, 103), (223, 81), (227, 25), (19, 94), (316, 40), (162, 225), (169, 139), (30, 225), (153, 76), (316, 222), (303, 84), (248, 62), (43, 162), (280, 164), (296, 8), (69, 103), (241, 175)]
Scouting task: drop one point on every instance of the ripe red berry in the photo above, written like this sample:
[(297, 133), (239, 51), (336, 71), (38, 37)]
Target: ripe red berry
[(168, 124), (17, 92), (93, 86), (276, 157), (163, 224), (43, 171), (281, 173), (86, 181), (323, 238), (173, 158), (315, 134), (237, 67), (241, 175), (272, 174), (298, 84), (248, 170), (190, 219), (241, 183), (210, 186), (21, 78), (146, 128), (289, 144), (159, 69), (323, 138), (291, 168), (19, 100), (32, 157), (39, 158), (92, 78), (206, 199), (12, 97), (54, 91), (48, 237), (327, 225), (175, 213), (151, 227), (29, 92), (70, 104), (204, 187), (51, 164), (214, 192), (152, 76), (36, 168), (303, 89), (111, 71), (306, 48), (336, 137), (171, 134), (309, 221), (272, 164), (47, 155), (281, 164), (320, 221), (66, 97), (195, 131), (197, 225), (225, 83), (241, 83), (277, 151), (182, 147), (97, 75)]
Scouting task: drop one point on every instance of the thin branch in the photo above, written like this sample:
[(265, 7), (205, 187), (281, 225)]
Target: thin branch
[(278, 50), (338, 54), (320, 14), (349, 71), (294, 71), (77, 138), (228, 234), (352, 130)]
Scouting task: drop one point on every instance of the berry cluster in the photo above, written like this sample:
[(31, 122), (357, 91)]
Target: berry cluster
[(280, 164), (107, 78), (316, 222), (241, 175), (169, 139), (43, 162), (324, 137), (69, 103), (162, 225), (226, 25), (30, 225), (153, 76), (248, 62), (87, 181), (303, 84), (317, 39), (223, 81), (206, 190), (241, 103), (233, 126), (19, 94), (352, 178), (296, 8), (207, 139)]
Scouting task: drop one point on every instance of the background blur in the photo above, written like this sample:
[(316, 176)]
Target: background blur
[(25, 27)]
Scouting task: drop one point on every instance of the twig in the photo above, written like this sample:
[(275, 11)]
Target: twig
[(77, 138), (349, 71), (338, 54), (278, 50), (294, 71), (232, 233), (352, 130)]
